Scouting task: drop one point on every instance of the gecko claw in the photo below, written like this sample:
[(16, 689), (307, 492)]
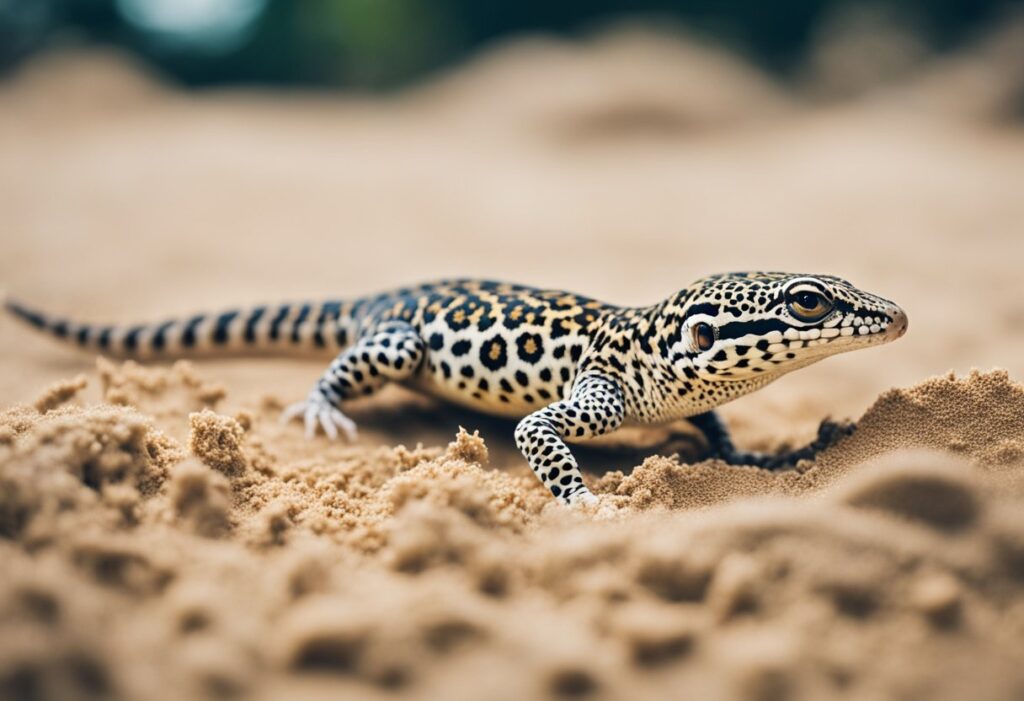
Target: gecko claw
[(317, 410)]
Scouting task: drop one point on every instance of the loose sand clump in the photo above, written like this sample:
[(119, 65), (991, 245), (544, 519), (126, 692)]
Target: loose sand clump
[(59, 393), (64, 468), (135, 569), (458, 480), (201, 498), (157, 391), (217, 441)]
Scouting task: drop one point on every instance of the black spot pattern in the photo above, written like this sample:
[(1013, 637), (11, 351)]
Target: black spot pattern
[(595, 407), (494, 353), (519, 312), (530, 347), (393, 353)]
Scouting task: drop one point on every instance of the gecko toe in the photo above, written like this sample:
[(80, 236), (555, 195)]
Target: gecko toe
[(327, 423), (317, 411), (310, 420), (291, 411), (347, 425)]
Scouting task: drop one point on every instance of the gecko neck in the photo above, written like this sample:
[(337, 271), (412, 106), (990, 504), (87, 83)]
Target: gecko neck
[(660, 385)]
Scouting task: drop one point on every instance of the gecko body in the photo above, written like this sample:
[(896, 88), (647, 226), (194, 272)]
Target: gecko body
[(569, 367)]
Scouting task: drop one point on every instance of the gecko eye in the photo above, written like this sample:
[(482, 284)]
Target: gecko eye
[(703, 336), (809, 306)]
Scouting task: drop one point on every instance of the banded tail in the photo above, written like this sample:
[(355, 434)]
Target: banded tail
[(282, 329)]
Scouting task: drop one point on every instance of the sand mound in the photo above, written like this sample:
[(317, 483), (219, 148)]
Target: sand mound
[(924, 487), (624, 82), (137, 569), (980, 418)]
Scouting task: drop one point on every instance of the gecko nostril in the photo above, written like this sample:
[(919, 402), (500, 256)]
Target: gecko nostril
[(899, 322)]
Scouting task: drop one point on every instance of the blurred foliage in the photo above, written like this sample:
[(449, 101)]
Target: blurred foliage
[(383, 43)]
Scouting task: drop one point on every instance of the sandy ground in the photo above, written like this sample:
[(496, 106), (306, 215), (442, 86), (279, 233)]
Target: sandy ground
[(163, 537)]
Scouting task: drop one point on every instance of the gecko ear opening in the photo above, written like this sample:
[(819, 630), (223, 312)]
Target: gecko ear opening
[(703, 336)]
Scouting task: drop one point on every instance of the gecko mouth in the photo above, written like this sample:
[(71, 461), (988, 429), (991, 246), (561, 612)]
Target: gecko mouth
[(782, 352)]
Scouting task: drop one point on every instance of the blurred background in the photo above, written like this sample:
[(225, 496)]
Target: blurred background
[(375, 44), (162, 156)]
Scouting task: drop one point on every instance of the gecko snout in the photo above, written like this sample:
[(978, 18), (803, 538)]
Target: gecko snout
[(899, 324)]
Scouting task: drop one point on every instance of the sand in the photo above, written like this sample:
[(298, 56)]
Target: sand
[(162, 536)]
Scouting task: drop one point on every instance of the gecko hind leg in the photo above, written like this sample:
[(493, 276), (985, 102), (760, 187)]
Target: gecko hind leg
[(392, 352), (721, 446)]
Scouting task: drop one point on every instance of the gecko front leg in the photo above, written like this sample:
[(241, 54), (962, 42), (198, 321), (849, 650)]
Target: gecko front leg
[(595, 406), (390, 353), (720, 443)]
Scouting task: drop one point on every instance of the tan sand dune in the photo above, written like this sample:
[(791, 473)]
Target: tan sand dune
[(162, 536)]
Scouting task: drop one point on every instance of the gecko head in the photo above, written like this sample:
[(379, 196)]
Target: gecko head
[(757, 326)]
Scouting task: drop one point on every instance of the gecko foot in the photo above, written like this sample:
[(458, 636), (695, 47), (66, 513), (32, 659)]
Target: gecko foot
[(583, 497), (317, 410), (829, 433)]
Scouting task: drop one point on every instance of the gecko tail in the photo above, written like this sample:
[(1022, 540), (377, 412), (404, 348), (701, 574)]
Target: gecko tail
[(282, 329)]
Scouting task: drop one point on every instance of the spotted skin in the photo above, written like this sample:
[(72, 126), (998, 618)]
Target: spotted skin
[(595, 407), (571, 368), (392, 352)]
